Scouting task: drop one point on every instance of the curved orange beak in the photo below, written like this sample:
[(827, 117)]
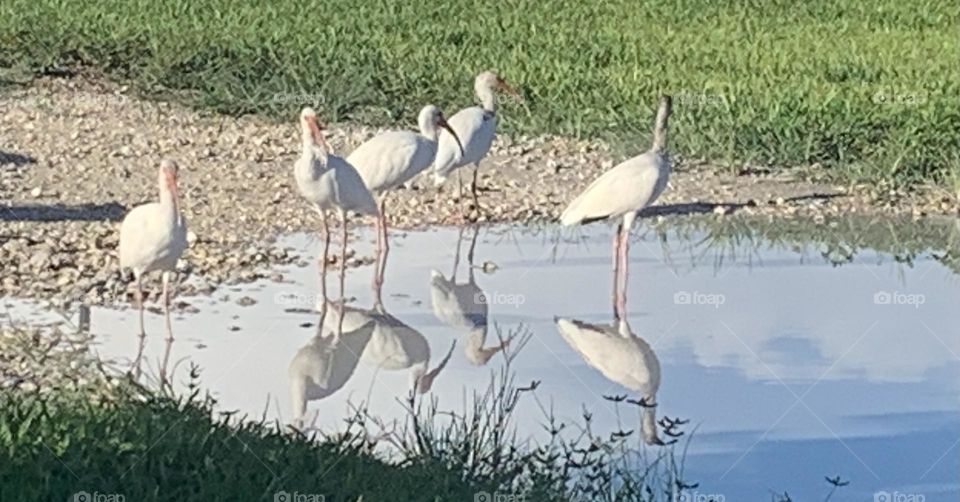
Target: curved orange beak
[(442, 122), (171, 181), (316, 130)]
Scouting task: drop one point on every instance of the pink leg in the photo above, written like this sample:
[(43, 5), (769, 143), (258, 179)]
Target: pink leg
[(463, 216), (473, 187), (382, 269), (343, 272), (378, 254), (323, 268), (143, 333), (169, 341), (624, 269), (615, 253)]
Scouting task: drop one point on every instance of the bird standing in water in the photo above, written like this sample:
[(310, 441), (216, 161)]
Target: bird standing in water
[(623, 191), (153, 236)]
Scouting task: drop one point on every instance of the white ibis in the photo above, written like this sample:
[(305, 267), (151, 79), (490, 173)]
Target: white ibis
[(476, 127), (324, 366), (464, 306), (153, 236), (623, 358), (623, 191), (392, 158), (329, 183)]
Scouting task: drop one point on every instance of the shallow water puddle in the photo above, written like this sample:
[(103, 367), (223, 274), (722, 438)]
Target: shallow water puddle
[(796, 354)]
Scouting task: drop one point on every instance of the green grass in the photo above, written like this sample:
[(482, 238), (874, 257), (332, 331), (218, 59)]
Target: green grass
[(162, 449), (870, 87)]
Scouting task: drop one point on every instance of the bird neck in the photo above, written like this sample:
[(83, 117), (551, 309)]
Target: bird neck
[(306, 140), (419, 379), (312, 157), (488, 99), (660, 131), (169, 204)]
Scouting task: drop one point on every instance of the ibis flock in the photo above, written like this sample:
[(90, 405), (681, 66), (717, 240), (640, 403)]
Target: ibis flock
[(154, 236)]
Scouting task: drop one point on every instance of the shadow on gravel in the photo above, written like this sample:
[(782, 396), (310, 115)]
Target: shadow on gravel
[(731, 207), (61, 212), (15, 159)]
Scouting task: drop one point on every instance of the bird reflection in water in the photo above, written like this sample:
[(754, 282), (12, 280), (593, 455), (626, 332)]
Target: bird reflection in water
[(622, 357), (347, 335), (324, 366), (464, 305)]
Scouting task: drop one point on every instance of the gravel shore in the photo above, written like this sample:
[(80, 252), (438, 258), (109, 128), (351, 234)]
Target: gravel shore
[(76, 155)]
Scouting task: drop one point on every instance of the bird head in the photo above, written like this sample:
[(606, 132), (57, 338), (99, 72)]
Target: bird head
[(431, 120), (312, 130), (494, 82), (168, 179)]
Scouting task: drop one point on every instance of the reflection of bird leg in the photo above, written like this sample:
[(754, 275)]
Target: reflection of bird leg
[(168, 345), (166, 303), (378, 294), (473, 245), (169, 341), (470, 250), (456, 256)]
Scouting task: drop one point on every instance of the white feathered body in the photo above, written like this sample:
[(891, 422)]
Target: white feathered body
[(333, 183), (477, 129), (323, 366), (392, 158), (153, 236), (627, 188)]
